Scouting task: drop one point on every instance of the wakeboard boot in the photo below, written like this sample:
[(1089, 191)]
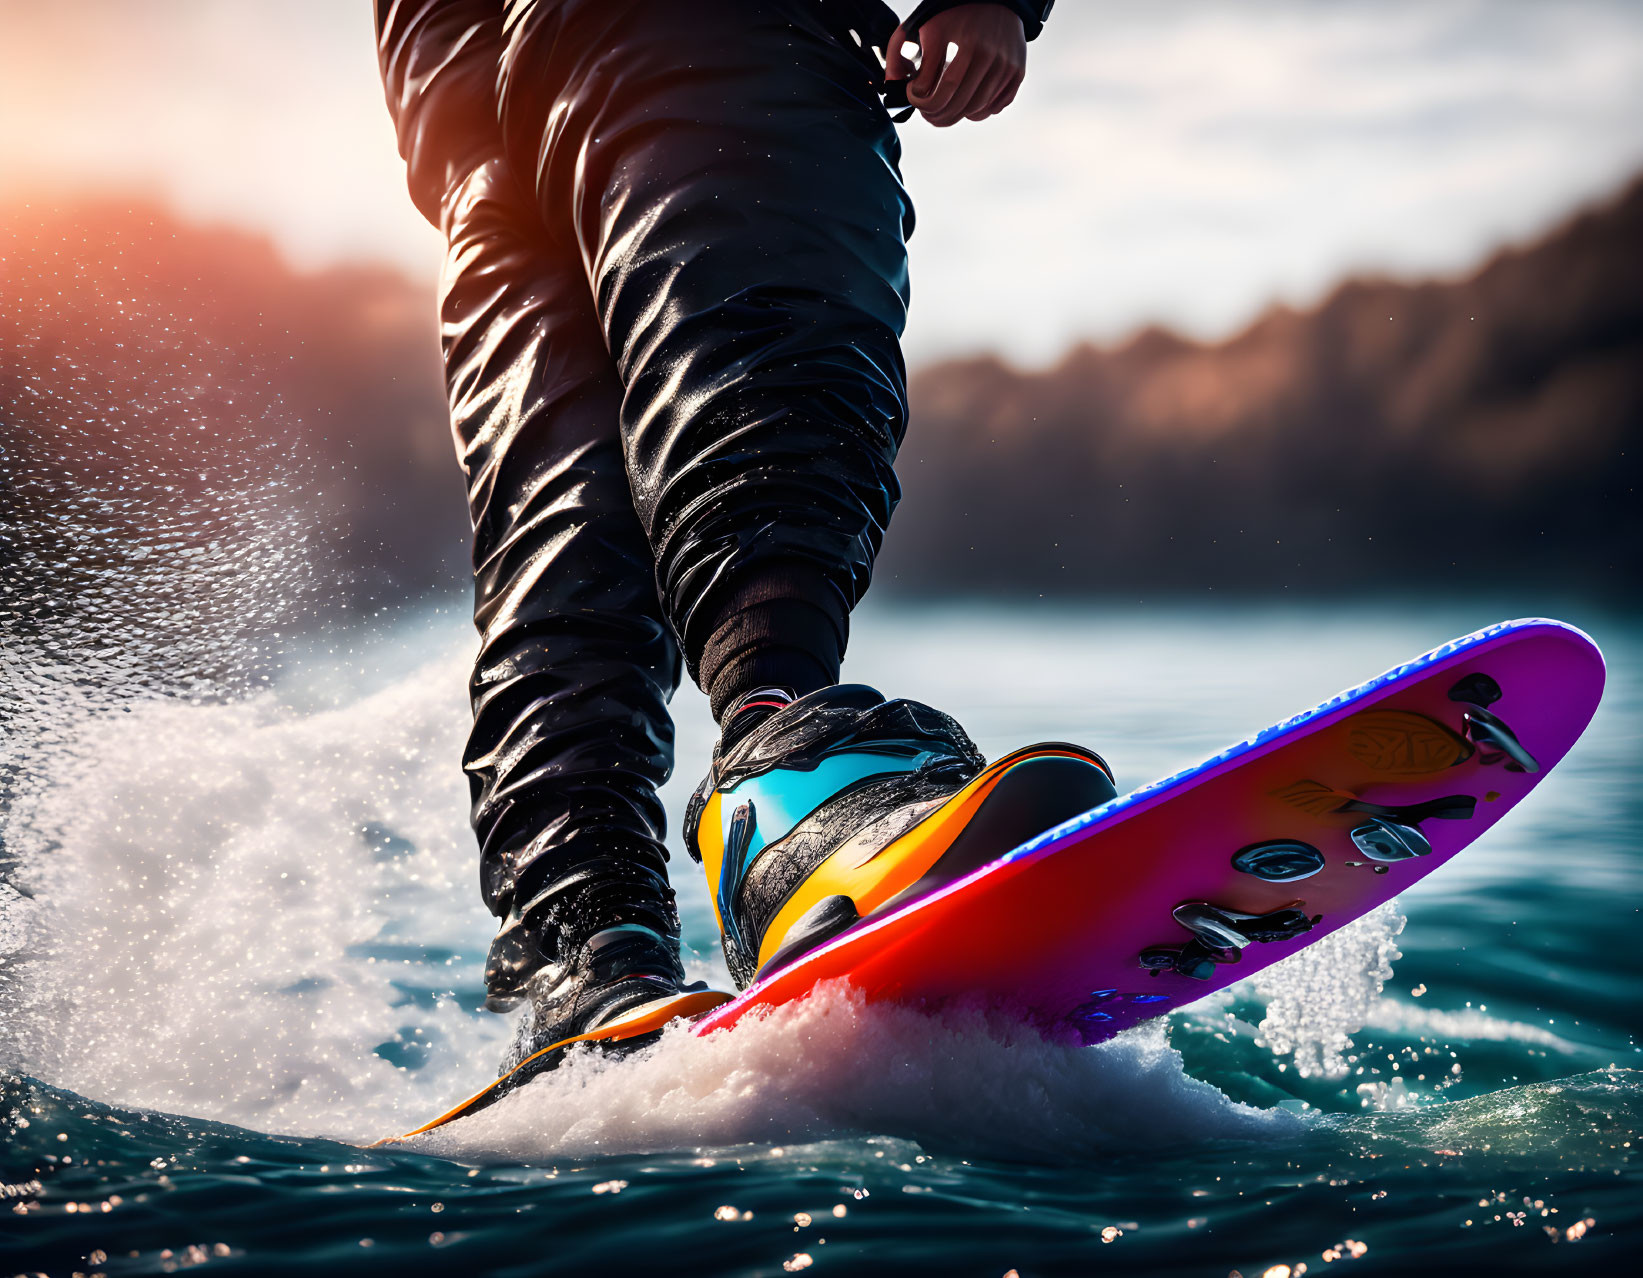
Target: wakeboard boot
[(822, 811), (620, 989)]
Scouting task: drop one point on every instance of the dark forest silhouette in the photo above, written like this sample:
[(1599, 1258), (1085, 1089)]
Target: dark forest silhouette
[(1442, 435)]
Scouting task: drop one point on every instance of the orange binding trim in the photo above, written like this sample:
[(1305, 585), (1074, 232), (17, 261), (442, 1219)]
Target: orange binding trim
[(685, 1006), (872, 880)]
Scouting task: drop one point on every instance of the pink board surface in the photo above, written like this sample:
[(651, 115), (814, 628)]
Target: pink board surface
[(1054, 928)]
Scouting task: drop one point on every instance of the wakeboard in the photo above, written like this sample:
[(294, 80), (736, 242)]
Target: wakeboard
[(1178, 889)]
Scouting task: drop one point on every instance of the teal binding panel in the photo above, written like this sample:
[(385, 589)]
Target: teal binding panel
[(783, 797)]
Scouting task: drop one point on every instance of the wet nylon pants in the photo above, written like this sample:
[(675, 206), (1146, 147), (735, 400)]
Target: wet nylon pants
[(670, 316)]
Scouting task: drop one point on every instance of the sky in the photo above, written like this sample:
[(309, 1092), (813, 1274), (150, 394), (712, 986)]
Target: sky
[(1168, 161)]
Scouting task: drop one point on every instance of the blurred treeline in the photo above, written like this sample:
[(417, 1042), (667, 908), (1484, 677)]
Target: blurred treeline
[(1451, 435)]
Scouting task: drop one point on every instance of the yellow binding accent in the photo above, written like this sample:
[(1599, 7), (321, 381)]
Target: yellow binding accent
[(872, 880)]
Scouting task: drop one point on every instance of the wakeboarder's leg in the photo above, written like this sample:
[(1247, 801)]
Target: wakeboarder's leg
[(571, 734), (728, 175)]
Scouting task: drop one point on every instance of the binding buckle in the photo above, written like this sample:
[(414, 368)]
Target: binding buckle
[(1220, 935), (1486, 730)]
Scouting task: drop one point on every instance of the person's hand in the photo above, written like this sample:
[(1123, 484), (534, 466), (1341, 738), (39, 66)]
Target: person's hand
[(984, 74)]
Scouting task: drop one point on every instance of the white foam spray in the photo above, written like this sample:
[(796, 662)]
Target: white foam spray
[(1317, 999), (1465, 1025), (249, 900), (830, 1065), (214, 931)]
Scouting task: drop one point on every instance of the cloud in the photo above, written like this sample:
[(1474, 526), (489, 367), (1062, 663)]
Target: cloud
[(1187, 163)]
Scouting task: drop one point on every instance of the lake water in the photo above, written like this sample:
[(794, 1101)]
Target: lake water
[(244, 939)]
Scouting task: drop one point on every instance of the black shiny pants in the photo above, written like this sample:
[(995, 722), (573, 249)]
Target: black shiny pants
[(670, 314)]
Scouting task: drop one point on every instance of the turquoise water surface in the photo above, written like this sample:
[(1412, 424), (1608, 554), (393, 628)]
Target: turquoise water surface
[(242, 938)]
